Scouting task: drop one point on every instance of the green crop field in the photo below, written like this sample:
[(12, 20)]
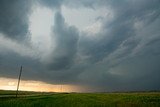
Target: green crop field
[(31, 99)]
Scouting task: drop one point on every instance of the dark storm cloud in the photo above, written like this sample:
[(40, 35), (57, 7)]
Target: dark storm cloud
[(66, 38), (51, 3), (14, 18), (122, 58), (123, 55), (122, 27)]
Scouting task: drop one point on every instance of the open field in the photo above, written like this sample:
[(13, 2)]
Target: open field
[(31, 99)]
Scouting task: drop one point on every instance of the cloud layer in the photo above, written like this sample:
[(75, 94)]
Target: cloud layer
[(14, 18), (122, 55)]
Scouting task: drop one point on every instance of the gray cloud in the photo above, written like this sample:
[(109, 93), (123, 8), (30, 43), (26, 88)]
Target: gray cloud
[(14, 18), (123, 55), (51, 3), (66, 38), (113, 57), (10, 63)]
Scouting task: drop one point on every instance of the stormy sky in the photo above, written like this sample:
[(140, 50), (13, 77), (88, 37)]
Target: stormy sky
[(106, 45)]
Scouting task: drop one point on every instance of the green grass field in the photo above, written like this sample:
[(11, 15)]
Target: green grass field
[(146, 99)]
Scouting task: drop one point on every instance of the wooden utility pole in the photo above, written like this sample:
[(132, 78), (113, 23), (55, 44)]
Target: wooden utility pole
[(19, 81)]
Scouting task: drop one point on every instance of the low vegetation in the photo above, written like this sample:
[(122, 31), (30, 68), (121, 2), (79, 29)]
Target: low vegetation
[(30, 99)]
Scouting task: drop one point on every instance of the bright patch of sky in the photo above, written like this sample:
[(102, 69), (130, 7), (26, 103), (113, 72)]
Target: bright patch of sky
[(85, 19), (41, 22)]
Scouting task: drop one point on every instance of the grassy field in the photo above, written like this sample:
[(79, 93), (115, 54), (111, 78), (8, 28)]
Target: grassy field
[(146, 99)]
